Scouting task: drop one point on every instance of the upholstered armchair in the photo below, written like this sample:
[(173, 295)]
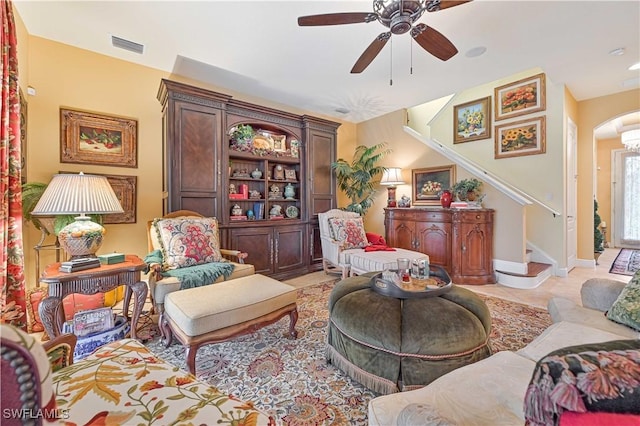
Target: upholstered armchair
[(346, 248), (175, 255)]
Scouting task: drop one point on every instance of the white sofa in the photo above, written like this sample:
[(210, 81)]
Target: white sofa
[(492, 391)]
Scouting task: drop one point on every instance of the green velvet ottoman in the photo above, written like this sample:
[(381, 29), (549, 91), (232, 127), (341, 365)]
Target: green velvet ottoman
[(390, 344)]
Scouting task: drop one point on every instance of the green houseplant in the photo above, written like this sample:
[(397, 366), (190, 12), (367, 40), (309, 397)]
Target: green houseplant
[(357, 179), (598, 237), (467, 189)]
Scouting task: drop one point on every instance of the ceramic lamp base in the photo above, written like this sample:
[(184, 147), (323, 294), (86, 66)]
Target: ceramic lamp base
[(81, 238)]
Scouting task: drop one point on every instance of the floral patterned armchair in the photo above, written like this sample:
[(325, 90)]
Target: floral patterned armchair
[(120, 383)]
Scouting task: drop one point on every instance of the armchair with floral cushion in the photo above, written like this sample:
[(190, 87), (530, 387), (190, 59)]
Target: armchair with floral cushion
[(344, 240), (120, 383), (184, 252)]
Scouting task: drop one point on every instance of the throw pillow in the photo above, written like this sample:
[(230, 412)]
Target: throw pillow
[(350, 232), (188, 241), (626, 309), (596, 377)]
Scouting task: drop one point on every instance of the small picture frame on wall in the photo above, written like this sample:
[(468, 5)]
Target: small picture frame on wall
[(520, 97), (98, 139), (472, 120), (524, 137)]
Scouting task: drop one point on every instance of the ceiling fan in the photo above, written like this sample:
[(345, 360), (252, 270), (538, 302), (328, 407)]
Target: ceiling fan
[(399, 16)]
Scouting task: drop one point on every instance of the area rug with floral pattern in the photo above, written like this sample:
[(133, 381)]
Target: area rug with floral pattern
[(291, 378), (627, 262)]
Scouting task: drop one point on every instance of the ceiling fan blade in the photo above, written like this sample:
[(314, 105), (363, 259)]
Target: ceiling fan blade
[(433, 42), (436, 5), (370, 53), (336, 19)]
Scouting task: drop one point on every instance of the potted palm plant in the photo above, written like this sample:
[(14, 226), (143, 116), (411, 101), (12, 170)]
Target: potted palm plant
[(357, 178)]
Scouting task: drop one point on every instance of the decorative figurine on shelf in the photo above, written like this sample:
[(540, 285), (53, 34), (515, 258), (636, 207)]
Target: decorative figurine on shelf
[(274, 192), (236, 210), (256, 174), (289, 192), (404, 201), (250, 215), (276, 211), (232, 189), (254, 195)]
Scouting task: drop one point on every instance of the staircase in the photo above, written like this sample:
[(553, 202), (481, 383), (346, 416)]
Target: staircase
[(537, 273)]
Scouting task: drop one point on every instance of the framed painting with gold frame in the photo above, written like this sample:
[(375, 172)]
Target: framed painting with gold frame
[(524, 137), (98, 139), (472, 120), (520, 97), (427, 183)]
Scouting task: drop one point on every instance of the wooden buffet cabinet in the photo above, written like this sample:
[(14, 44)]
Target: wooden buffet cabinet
[(459, 240), (201, 162)]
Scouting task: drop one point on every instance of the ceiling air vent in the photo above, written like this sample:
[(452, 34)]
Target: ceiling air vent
[(127, 45)]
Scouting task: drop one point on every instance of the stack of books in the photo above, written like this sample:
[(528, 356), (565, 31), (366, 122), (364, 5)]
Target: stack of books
[(79, 264)]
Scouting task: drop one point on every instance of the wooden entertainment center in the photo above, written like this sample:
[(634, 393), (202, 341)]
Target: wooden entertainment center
[(459, 240), (206, 171)]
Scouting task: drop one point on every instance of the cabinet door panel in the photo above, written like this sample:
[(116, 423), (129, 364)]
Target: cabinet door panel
[(434, 239), (401, 235), (289, 248), (258, 243)]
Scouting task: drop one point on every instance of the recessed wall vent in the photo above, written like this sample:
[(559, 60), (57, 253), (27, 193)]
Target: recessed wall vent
[(127, 45)]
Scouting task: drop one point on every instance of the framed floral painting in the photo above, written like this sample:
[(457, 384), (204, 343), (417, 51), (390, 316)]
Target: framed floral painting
[(472, 120), (427, 183), (93, 138), (525, 137), (520, 97)]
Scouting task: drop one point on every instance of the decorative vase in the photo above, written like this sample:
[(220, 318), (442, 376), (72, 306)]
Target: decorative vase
[(446, 198), (288, 191), (256, 174)]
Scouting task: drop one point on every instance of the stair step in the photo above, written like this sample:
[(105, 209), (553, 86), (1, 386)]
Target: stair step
[(534, 269)]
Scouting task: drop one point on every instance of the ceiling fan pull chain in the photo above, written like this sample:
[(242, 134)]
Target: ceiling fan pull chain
[(411, 56), (391, 62)]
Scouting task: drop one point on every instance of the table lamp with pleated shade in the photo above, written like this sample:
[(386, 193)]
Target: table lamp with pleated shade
[(79, 194)]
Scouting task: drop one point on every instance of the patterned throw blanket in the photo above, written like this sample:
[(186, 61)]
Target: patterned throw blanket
[(193, 276)]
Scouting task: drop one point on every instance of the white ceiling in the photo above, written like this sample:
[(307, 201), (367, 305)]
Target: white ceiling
[(257, 47)]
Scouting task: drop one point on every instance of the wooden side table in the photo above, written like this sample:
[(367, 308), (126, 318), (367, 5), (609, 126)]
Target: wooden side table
[(92, 281)]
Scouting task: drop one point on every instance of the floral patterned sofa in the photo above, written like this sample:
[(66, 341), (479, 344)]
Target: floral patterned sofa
[(120, 383)]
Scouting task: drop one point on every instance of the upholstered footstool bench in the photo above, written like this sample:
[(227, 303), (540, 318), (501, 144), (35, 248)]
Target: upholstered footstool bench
[(219, 312), (390, 344)]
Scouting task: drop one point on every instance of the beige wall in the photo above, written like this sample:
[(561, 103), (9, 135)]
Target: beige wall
[(64, 76)]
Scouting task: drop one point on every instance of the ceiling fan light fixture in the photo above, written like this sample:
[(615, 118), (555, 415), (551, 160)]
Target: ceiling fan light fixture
[(631, 140)]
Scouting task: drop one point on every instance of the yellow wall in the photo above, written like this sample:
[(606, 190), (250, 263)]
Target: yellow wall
[(591, 114), (64, 76), (605, 148)]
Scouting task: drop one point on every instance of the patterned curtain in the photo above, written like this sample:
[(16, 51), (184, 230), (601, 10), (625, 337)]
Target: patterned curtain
[(12, 298)]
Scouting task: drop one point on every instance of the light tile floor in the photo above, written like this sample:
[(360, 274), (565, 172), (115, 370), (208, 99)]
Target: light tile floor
[(568, 287)]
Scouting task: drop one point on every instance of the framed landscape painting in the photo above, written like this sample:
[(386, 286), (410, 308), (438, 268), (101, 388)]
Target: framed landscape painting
[(427, 183), (92, 138), (472, 120), (520, 97), (525, 137)]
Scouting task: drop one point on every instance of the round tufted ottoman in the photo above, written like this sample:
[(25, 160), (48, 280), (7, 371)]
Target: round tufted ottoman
[(390, 344)]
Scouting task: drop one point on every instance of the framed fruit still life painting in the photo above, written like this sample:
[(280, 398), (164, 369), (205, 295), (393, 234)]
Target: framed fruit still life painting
[(94, 138)]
